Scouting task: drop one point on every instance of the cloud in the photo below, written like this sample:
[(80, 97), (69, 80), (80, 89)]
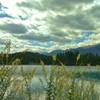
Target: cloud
[(3, 14), (63, 4), (31, 4), (13, 28), (46, 25), (77, 22), (1, 41), (42, 38), (95, 11), (43, 5)]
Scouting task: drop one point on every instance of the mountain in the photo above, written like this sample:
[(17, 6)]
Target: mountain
[(55, 52), (93, 49), (89, 55)]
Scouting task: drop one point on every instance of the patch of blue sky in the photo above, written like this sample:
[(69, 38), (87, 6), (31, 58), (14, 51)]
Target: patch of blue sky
[(82, 39), (85, 37), (3, 15), (88, 33), (49, 44)]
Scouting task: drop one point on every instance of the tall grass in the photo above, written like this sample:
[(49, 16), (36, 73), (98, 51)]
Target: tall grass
[(13, 86), (61, 84)]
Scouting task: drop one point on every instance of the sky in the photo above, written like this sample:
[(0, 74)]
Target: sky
[(46, 25)]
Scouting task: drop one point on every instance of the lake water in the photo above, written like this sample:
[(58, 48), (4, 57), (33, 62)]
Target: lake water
[(90, 74)]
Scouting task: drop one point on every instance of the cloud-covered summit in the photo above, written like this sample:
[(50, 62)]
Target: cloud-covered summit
[(46, 25)]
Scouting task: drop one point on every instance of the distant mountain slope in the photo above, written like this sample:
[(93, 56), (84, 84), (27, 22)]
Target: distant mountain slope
[(94, 49), (55, 52)]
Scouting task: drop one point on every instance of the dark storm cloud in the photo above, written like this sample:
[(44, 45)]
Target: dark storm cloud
[(78, 21), (95, 11), (63, 4), (53, 4), (13, 28), (42, 38), (31, 4)]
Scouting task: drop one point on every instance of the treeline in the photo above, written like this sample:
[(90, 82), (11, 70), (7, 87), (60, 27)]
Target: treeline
[(68, 58)]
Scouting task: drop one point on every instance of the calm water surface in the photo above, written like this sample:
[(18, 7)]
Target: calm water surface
[(90, 73)]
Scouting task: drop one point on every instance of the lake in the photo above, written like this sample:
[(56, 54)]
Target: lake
[(90, 73)]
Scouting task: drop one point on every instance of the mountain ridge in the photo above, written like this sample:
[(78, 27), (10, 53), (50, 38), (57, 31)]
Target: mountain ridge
[(67, 57), (94, 49)]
